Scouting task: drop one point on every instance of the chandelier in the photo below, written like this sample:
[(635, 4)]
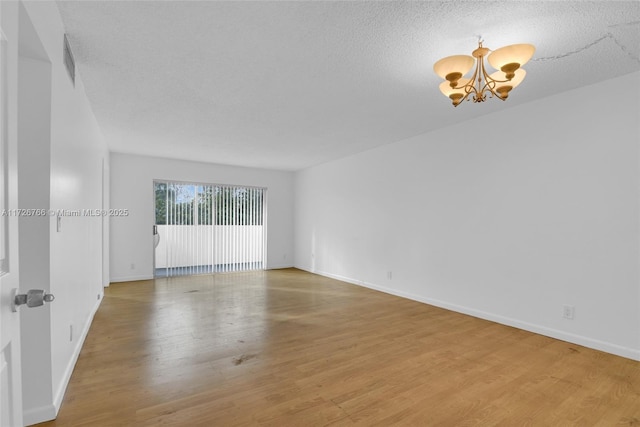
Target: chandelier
[(507, 60)]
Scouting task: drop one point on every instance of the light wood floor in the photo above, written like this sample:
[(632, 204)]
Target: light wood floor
[(288, 348)]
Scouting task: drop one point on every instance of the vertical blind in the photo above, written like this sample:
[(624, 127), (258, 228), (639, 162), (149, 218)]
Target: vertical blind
[(209, 228)]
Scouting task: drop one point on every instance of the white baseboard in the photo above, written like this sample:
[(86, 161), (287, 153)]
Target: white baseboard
[(278, 267), (62, 388), (39, 415), (50, 411), (131, 278), (629, 353)]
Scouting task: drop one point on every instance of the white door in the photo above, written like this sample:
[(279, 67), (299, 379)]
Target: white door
[(10, 377)]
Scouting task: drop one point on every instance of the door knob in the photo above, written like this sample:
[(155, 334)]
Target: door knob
[(33, 298)]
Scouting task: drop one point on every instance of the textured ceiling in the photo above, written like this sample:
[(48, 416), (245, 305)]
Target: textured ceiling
[(287, 85)]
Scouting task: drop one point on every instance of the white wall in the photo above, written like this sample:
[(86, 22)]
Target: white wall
[(132, 176), (61, 155), (507, 217)]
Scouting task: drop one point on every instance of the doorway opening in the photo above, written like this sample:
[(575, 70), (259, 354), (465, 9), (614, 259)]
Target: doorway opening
[(208, 228)]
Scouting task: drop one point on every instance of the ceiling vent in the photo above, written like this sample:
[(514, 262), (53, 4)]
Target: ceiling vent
[(69, 62)]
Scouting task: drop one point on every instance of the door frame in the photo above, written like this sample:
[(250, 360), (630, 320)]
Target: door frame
[(10, 355)]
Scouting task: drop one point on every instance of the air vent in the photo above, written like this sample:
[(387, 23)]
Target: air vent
[(69, 62)]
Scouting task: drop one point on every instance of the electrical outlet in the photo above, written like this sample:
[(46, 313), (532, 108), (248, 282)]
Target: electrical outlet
[(71, 333), (133, 266), (389, 275), (568, 312)]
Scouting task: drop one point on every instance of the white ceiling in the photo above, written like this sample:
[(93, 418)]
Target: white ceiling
[(287, 85)]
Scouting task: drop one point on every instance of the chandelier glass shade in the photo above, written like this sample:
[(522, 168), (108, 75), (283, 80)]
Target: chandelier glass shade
[(507, 60)]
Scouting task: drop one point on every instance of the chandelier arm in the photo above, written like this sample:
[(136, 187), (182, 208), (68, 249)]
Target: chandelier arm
[(482, 75), (500, 81), (470, 87), (489, 83)]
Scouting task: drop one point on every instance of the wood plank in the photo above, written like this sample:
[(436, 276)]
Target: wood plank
[(286, 347)]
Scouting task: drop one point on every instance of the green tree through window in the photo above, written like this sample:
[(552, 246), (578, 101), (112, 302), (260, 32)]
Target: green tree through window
[(189, 204)]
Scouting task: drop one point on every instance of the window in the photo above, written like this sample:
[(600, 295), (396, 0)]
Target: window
[(206, 228)]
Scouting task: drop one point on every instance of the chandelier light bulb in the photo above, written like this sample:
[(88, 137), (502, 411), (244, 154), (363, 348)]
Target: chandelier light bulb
[(503, 88), (509, 58), (452, 68), (456, 95)]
